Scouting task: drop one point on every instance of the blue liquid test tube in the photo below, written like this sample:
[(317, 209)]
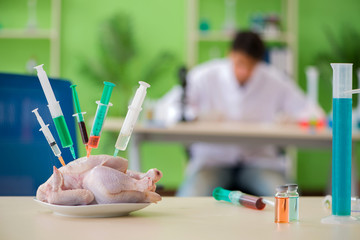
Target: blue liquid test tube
[(341, 145), (341, 155)]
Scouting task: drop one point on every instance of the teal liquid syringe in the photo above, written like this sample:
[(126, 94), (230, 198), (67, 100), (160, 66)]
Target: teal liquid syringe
[(101, 111), (55, 111), (131, 118)]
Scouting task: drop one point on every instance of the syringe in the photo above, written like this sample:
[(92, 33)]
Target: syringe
[(101, 111), (55, 110), (131, 118), (80, 117), (239, 198), (49, 137)]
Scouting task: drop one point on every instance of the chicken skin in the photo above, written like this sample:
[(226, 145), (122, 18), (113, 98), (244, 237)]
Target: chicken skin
[(99, 179)]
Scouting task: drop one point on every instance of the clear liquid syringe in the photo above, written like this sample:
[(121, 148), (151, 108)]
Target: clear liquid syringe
[(101, 111), (55, 110), (49, 137), (80, 117), (131, 118)]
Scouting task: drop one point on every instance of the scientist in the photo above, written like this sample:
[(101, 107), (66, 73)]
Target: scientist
[(240, 88)]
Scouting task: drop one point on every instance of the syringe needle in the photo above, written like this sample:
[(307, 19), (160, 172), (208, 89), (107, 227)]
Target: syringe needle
[(116, 152), (72, 150), (61, 160), (88, 151)]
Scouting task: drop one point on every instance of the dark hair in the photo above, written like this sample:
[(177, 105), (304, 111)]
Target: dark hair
[(249, 43)]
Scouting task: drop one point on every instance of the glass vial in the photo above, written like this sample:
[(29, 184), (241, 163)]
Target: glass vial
[(293, 202), (281, 205)]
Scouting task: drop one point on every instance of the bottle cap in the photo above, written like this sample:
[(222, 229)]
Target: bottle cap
[(292, 186), (282, 188)]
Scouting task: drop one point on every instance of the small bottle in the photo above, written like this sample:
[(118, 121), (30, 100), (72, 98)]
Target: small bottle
[(281, 205), (293, 202)]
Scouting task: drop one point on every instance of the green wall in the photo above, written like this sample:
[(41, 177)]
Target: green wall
[(158, 25), (315, 16), (161, 25)]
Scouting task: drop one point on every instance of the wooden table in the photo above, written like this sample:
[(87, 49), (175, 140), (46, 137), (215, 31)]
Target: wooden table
[(172, 218)]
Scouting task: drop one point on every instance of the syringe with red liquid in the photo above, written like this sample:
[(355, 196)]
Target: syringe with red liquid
[(240, 198), (103, 107), (80, 117)]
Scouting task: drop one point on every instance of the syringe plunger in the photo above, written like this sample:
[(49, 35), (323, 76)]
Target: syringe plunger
[(53, 105)]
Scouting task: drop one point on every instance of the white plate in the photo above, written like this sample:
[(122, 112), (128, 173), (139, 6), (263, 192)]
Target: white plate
[(95, 210)]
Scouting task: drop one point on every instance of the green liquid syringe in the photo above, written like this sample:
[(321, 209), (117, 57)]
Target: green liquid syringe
[(55, 111), (101, 111)]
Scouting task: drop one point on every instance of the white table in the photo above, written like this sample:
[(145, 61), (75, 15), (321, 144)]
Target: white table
[(289, 136), (172, 218), (225, 132)]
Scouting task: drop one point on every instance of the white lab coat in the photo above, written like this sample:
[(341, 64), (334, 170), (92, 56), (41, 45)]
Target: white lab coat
[(214, 93)]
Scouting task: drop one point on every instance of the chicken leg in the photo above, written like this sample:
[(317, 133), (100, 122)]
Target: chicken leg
[(110, 186), (53, 193)]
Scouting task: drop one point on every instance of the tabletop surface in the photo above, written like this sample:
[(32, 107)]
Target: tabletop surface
[(230, 129), (172, 218)]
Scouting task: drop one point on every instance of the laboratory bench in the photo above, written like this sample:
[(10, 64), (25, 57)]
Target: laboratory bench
[(171, 218), (288, 136)]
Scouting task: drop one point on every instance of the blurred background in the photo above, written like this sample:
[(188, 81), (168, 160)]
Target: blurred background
[(88, 42)]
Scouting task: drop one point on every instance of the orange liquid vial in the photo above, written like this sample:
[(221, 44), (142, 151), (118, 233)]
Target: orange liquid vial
[(281, 205), (282, 210)]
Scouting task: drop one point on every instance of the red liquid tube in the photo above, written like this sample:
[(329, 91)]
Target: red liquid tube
[(79, 116), (239, 198)]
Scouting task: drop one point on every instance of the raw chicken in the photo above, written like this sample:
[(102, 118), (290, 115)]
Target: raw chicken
[(99, 179)]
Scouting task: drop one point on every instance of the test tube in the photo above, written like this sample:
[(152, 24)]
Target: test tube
[(49, 137), (293, 202), (281, 205), (341, 155), (79, 116), (131, 118), (55, 110), (312, 79), (341, 145), (101, 112), (239, 198)]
